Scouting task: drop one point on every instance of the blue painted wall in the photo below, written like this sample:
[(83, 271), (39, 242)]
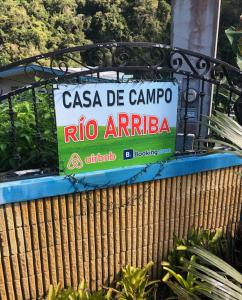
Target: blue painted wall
[(29, 189)]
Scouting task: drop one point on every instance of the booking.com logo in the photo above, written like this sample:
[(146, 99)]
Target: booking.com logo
[(131, 153), (128, 154)]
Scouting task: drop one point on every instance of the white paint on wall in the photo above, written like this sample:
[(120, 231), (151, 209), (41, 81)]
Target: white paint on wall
[(195, 25)]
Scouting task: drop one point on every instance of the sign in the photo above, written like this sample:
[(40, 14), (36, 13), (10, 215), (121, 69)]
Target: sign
[(103, 126)]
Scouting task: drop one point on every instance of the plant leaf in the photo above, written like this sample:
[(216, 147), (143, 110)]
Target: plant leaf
[(216, 262)]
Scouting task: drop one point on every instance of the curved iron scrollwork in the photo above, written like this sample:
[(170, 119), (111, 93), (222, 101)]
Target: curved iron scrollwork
[(126, 57)]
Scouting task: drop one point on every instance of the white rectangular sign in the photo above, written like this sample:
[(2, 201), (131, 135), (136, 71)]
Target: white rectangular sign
[(109, 125)]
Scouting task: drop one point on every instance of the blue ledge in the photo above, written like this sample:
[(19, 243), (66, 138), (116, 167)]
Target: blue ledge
[(29, 189)]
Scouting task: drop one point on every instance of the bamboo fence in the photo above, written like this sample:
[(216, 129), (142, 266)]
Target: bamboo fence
[(93, 234)]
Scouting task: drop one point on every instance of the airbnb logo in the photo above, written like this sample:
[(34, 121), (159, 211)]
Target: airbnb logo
[(75, 162)]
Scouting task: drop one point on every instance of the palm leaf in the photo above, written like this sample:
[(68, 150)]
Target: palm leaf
[(212, 274), (178, 277), (226, 128), (210, 296), (217, 287), (216, 294), (215, 261), (181, 292)]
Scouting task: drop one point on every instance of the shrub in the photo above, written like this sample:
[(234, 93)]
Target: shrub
[(135, 283), (82, 293), (28, 137), (207, 239), (204, 275)]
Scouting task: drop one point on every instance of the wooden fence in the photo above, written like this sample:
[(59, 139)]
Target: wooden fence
[(92, 234)]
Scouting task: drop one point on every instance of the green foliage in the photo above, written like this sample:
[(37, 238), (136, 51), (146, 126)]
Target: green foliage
[(203, 275), (222, 281), (82, 293), (193, 264), (215, 262), (202, 237), (27, 138), (31, 27), (223, 96), (235, 38), (230, 16), (187, 282), (135, 284), (105, 20), (209, 240), (229, 131)]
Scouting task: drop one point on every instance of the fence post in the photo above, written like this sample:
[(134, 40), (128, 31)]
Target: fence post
[(195, 27)]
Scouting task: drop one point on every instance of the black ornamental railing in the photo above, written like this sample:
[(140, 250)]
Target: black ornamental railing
[(28, 143)]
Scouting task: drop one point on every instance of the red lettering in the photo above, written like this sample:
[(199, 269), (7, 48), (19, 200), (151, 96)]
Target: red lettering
[(153, 125), (110, 128), (81, 129), (91, 124), (70, 133), (135, 124), (164, 126), (145, 125), (123, 122)]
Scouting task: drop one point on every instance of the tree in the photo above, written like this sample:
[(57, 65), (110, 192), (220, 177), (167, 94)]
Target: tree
[(31, 27), (122, 20), (105, 20), (148, 20)]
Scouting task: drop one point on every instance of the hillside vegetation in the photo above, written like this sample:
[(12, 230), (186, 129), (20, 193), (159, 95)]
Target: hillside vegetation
[(31, 27)]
